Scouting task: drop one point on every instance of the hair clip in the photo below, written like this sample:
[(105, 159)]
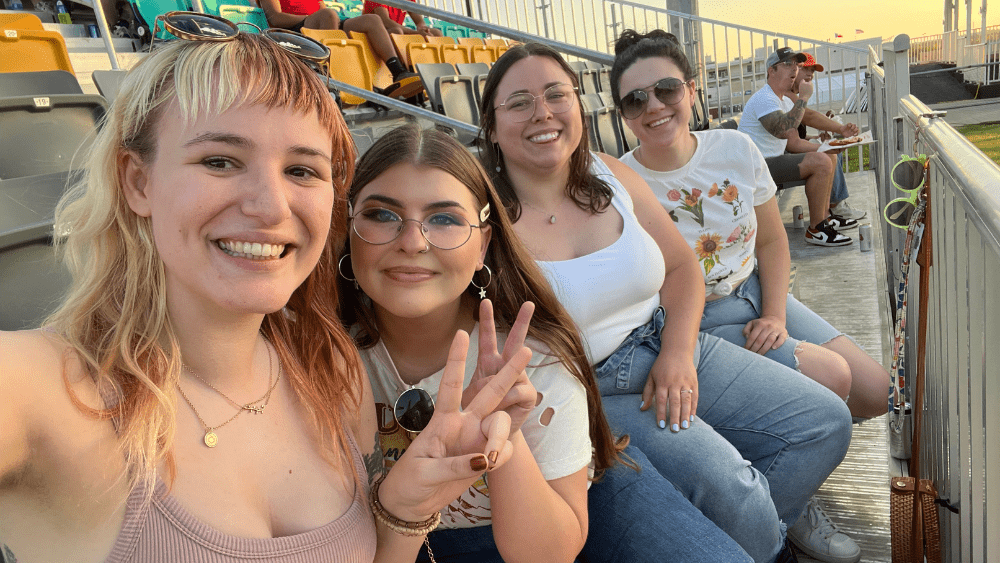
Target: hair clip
[(484, 213)]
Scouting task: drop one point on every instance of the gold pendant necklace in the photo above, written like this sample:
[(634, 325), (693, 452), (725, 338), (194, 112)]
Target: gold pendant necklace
[(211, 439)]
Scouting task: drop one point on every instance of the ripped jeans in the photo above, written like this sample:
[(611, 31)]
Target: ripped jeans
[(726, 317), (765, 439)]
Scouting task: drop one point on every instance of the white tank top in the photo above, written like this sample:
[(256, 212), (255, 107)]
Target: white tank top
[(611, 292)]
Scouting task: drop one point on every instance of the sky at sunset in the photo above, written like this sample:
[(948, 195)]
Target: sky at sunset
[(823, 18)]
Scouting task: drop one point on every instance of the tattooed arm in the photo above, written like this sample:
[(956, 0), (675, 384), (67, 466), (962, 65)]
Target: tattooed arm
[(778, 122)]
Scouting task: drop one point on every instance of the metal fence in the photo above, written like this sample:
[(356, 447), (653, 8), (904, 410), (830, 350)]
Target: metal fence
[(961, 428), (978, 53), (729, 58)]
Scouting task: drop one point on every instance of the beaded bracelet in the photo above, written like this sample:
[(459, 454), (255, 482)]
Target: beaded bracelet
[(403, 527)]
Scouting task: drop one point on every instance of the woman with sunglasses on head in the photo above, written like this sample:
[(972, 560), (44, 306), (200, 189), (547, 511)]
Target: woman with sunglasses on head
[(716, 186), (621, 269), (408, 288), (195, 397)]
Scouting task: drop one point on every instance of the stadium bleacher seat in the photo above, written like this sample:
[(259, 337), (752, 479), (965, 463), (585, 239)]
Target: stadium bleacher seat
[(108, 82), (347, 64), (46, 82), (429, 73), (31, 280), (422, 53), (28, 50), (50, 131), (381, 75), (16, 20), (244, 14), (401, 41)]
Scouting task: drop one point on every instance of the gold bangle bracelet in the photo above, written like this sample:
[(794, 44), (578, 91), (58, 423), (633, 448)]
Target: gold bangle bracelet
[(402, 527)]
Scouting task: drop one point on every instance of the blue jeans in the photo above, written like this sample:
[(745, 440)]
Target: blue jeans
[(765, 439), (635, 517), (726, 317), (839, 191)]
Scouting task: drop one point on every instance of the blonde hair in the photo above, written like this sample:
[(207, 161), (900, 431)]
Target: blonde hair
[(114, 317)]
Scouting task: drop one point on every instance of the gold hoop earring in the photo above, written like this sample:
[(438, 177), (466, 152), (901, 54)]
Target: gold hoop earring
[(482, 289), (340, 271)]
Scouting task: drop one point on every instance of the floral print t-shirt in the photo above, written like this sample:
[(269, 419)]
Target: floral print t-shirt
[(711, 201)]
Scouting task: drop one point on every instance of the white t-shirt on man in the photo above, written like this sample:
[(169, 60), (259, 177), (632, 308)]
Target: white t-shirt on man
[(762, 103)]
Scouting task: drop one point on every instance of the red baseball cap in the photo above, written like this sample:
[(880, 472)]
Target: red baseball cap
[(810, 61)]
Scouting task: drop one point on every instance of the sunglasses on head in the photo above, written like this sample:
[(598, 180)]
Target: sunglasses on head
[(908, 175), (413, 409), (668, 90), (194, 26)]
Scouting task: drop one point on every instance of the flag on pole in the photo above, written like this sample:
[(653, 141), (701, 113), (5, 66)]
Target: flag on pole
[(858, 31), (837, 35)]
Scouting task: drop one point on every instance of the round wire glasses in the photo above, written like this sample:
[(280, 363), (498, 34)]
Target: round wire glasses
[(444, 230), (521, 105)]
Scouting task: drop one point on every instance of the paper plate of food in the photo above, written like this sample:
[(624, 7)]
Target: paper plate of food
[(837, 144)]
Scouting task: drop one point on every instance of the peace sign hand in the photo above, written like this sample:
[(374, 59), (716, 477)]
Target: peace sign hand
[(458, 444), (522, 397)]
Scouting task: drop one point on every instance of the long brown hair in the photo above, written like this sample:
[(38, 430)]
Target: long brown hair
[(589, 192), (516, 277), (115, 319)]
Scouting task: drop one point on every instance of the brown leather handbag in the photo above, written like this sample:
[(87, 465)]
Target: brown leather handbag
[(913, 515)]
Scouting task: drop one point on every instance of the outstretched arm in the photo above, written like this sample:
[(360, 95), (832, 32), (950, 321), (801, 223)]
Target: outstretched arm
[(817, 120)]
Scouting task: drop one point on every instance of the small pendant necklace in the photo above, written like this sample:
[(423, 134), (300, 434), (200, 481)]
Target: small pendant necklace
[(211, 439), (552, 216)]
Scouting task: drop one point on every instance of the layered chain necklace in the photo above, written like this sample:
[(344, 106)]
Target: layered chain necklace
[(256, 407)]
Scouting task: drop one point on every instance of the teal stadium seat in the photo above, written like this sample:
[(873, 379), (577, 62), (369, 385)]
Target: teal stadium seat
[(148, 10), (244, 14)]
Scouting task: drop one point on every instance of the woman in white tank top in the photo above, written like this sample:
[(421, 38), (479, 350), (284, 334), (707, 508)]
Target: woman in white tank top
[(633, 286)]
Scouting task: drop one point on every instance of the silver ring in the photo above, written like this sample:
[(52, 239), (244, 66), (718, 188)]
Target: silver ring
[(687, 390)]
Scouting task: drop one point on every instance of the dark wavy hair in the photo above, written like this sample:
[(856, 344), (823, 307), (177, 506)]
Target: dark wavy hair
[(632, 46), (516, 278), (588, 191)]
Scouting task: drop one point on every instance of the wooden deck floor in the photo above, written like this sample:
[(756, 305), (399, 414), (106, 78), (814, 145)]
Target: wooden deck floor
[(842, 285)]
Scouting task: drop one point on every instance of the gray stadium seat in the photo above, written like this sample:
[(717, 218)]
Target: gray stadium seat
[(32, 282), (472, 69), (429, 73), (42, 135), (108, 82), (45, 82)]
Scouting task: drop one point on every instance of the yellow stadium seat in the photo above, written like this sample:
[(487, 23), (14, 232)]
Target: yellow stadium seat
[(456, 54), (470, 41), (321, 34), (445, 40), (401, 41), (483, 54), (20, 21), (422, 53), (347, 64), (381, 75), (495, 42), (27, 50)]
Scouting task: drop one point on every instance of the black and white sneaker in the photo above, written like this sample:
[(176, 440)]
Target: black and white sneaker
[(841, 223), (825, 235)]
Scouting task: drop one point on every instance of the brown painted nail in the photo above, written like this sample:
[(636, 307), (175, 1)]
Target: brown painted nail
[(493, 458), (479, 463)]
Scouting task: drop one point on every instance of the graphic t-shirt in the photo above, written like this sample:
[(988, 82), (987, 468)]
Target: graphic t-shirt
[(712, 198), (561, 448), (762, 103)]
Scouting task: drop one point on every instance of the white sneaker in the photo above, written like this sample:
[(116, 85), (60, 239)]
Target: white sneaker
[(817, 535), (844, 209)]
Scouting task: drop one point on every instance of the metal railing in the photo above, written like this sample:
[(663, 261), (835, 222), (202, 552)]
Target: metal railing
[(978, 49), (961, 422), (729, 58)]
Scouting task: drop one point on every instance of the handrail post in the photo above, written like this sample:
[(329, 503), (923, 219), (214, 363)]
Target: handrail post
[(895, 62)]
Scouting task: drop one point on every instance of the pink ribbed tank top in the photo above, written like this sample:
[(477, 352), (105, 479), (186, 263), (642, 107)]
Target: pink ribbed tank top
[(164, 532)]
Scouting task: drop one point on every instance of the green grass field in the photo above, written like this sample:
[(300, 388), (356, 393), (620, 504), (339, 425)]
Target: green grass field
[(986, 136)]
